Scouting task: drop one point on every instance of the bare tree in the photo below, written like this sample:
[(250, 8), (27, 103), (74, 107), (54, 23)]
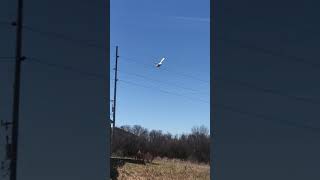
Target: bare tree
[(194, 146)]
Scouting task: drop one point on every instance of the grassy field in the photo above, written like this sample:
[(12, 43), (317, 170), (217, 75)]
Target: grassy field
[(161, 169)]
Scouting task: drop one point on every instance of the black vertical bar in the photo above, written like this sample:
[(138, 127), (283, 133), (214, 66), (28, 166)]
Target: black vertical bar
[(16, 94), (108, 127), (213, 164)]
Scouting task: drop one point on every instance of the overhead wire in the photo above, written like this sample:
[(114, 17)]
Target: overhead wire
[(156, 80), (87, 43), (62, 36), (266, 51), (128, 59), (164, 91), (273, 91), (98, 75), (246, 46), (241, 83), (93, 44), (229, 108), (273, 53), (250, 114), (268, 118), (66, 68)]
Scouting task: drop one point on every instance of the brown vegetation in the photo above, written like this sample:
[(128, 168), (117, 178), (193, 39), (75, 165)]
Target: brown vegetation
[(140, 143), (164, 169)]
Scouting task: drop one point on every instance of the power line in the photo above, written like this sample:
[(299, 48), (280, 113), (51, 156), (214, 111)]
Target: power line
[(274, 53), (99, 76), (241, 83), (272, 91), (87, 43), (229, 108), (268, 118), (232, 109), (128, 59), (91, 74), (245, 84), (163, 91), (101, 47), (155, 80), (62, 36), (66, 68), (187, 75), (163, 69)]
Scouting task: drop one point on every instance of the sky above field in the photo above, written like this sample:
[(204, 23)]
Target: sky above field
[(175, 97)]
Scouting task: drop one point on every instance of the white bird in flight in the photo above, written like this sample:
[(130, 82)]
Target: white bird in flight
[(160, 63)]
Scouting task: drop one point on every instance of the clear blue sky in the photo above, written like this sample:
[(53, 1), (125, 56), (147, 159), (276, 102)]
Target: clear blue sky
[(146, 31)]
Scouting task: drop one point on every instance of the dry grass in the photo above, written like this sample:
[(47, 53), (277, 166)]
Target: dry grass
[(162, 169)]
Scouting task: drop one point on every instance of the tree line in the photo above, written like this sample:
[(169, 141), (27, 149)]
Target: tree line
[(195, 146)]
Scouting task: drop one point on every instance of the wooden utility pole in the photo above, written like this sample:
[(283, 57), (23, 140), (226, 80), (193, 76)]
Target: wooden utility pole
[(115, 94), (16, 93)]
